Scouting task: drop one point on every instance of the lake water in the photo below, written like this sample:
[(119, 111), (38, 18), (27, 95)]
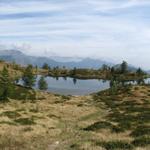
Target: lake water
[(70, 86)]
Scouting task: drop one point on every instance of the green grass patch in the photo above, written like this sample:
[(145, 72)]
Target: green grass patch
[(8, 123), (141, 141), (115, 145), (64, 97), (19, 93), (98, 125), (141, 131), (74, 146), (25, 121), (10, 114), (103, 125)]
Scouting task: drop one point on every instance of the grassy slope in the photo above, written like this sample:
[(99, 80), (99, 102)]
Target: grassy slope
[(98, 121), (95, 122), (14, 69)]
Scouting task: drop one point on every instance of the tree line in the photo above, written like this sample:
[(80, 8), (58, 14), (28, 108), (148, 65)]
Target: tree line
[(29, 77), (105, 72)]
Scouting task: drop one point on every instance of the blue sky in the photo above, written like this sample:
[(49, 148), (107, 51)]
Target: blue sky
[(109, 29)]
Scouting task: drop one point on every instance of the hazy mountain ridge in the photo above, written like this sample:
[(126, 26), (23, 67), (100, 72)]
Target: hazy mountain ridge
[(23, 59), (69, 62)]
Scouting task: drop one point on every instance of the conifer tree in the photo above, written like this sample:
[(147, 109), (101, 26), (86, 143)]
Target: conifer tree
[(42, 84), (124, 67), (6, 84), (140, 72), (28, 77), (45, 66), (74, 71)]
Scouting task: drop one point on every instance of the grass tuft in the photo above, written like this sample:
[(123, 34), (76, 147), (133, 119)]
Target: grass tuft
[(115, 145), (141, 141), (25, 121), (10, 114)]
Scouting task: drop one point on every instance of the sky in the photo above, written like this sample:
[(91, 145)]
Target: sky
[(103, 29)]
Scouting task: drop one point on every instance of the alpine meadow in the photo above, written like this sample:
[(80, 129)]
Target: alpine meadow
[(74, 75)]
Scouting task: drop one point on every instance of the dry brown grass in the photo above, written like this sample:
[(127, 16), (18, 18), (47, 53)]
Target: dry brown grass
[(52, 120), (53, 123), (13, 72)]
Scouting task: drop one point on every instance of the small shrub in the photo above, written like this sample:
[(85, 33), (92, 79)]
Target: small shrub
[(64, 97), (98, 125), (114, 145), (11, 114), (25, 121), (8, 123), (141, 131), (141, 141), (74, 146)]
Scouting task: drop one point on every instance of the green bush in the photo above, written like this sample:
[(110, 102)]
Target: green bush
[(10, 114), (141, 141), (141, 131), (114, 145), (98, 125), (25, 121)]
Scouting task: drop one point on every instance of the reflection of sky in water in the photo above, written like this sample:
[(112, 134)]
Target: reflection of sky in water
[(70, 86), (147, 81)]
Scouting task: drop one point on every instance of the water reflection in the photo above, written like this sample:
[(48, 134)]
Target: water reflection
[(140, 81), (65, 78), (57, 78), (73, 86), (74, 81)]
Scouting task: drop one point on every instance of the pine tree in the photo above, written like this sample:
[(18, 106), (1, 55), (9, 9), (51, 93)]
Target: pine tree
[(42, 84), (6, 84), (74, 80), (124, 67), (104, 67), (28, 77), (74, 71), (45, 66), (140, 72), (112, 70), (113, 85)]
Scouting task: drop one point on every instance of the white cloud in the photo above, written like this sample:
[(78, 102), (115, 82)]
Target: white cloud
[(79, 28), (112, 5)]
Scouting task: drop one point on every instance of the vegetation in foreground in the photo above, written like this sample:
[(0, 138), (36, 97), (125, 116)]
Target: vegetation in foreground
[(118, 118), (98, 121)]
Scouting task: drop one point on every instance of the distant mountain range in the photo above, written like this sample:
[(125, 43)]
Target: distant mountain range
[(23, 59)]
